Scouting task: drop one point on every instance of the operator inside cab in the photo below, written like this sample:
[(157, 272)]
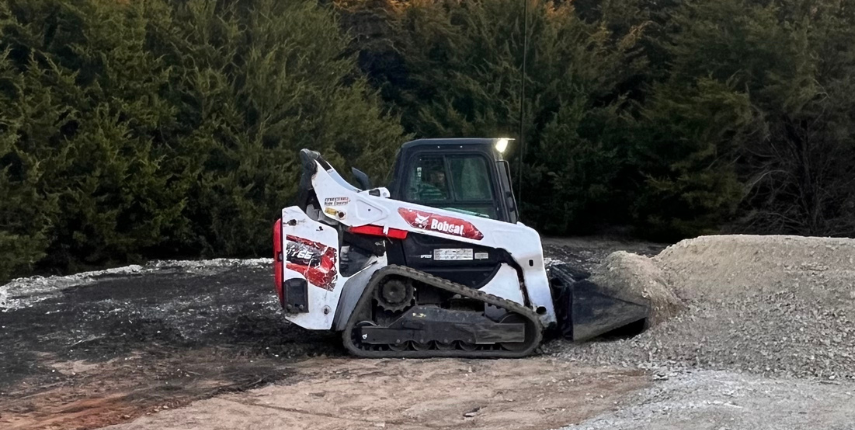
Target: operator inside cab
[(433, 185), (456, 182)]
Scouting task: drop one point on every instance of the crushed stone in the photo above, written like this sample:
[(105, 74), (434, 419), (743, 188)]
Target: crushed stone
[(781, 306), (717, 400), (640, 276)]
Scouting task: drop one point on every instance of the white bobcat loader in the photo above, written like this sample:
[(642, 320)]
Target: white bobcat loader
[(437, 264)]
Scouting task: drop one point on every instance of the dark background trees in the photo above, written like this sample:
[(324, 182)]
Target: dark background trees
[(156, 128), (676, 118)]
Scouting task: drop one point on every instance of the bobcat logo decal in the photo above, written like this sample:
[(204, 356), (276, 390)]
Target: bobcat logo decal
[(421, 220), (440, 223)]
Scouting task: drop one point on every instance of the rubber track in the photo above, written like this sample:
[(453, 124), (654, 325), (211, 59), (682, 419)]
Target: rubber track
[(447, 285)]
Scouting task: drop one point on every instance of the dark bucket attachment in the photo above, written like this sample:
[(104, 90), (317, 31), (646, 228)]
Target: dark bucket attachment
[(586, 310)]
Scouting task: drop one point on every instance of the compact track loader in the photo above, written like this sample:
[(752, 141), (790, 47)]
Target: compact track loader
[(437, 264)]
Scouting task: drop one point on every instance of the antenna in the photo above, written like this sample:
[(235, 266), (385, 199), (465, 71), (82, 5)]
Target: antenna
[(522, 107)]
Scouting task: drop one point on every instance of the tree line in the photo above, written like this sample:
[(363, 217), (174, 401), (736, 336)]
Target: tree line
[(157, 128)]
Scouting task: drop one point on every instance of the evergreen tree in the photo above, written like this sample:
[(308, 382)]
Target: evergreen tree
[(155, 128), (800, 172), (462, 62), (785, 70), (684, 148), (81, 107), (256, 81), (25, 214)]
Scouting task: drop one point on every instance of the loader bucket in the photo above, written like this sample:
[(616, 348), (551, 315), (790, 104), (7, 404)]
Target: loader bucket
[(586, 310)]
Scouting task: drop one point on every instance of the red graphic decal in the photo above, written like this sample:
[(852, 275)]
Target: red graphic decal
[(440, 223), (376, 230), (313, 260)]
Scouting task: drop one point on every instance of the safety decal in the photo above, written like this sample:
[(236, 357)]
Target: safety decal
[(313, 260), (440, 223), (336, 201)]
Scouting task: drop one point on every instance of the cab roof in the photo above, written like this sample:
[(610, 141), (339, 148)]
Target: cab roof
[(478, 141)]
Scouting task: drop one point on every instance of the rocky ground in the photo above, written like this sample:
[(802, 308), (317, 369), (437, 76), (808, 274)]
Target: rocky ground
[(775, 306), (715, 400), (751, 332), (754, 333)]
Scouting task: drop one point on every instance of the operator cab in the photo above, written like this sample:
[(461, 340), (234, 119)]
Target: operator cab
[(468, 176)]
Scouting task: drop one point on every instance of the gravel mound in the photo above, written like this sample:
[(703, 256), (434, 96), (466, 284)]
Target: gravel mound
[(716, 267), (640, 276), (776, 305)]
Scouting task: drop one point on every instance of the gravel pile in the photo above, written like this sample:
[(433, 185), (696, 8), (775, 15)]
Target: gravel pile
[(640, 276), (716, 400), (774, 305)]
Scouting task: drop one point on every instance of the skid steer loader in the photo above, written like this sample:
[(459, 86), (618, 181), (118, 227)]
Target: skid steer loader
[(436, 264)]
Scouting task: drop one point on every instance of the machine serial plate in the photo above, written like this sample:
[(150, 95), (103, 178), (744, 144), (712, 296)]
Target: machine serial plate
[(446, 254)]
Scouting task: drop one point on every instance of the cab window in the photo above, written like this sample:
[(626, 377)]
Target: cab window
[(459, 183), (428, 180), (471, 179)]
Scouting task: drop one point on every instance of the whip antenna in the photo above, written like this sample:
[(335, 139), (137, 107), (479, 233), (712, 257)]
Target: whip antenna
[(522, 107)]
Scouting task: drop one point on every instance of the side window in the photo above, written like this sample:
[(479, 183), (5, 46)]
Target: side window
[(471, 179), (428, 182), (459, 183)]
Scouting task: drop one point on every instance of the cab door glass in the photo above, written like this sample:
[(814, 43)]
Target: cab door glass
[(428, 183), (471, 179), (459, 183)]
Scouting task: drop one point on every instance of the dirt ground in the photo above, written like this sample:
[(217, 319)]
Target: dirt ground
[(128, 347), (112, 350), (88, 351), (343, 393)]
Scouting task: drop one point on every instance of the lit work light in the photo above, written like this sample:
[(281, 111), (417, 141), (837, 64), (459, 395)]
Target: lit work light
[(502, 144)]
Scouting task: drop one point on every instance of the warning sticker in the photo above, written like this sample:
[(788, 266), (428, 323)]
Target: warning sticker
[(452, 254), (336, 201)]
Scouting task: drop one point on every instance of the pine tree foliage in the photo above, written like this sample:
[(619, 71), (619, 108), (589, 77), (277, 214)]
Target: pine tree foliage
[(801, 174), (684, 146), (266, 78), (790, 140), (81, 107), (463, 61), (158, 128), (679, 117)]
